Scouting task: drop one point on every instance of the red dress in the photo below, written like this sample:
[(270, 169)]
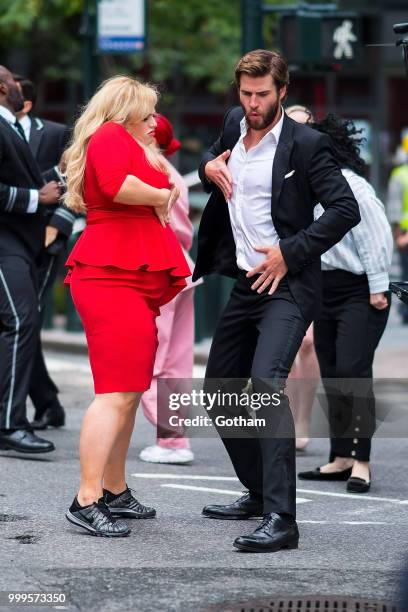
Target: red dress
[(123, 267)]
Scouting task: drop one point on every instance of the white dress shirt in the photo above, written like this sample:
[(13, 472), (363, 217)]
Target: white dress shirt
[(367, 247), (250, 204), (11, 119), (25, 123)]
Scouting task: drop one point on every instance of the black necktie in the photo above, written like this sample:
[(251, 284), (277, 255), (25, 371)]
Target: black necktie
[(20, 129)]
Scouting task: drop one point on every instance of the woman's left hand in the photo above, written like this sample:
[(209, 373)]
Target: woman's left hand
[(378, 301), (163, 214)]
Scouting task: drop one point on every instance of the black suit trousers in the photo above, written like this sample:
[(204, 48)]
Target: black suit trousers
[(19, 329), (258, 338), (346, 336), (43, 391)]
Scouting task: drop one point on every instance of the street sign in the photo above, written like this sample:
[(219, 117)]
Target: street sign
[(121, 26), (341, 39)]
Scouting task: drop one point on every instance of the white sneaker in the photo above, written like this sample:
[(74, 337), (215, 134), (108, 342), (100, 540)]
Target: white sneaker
[(159, 454)]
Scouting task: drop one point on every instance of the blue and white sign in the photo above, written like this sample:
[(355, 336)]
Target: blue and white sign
[(121, 26)]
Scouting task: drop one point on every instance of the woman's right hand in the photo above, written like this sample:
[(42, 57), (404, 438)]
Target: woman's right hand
[(174, 195), (163, 211)]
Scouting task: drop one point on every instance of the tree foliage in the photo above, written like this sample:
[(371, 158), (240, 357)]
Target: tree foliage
[(199, 38), (188, 40)]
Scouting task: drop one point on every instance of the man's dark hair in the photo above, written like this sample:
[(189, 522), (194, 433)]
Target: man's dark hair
[(260, 63), (346, 140), (27, 88)]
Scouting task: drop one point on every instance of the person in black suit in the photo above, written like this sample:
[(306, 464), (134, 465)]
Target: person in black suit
[(47, 141), (23, 198), (265, 174)]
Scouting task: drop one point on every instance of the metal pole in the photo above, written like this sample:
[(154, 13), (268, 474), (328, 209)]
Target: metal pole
[(90, 59), (251, 19)]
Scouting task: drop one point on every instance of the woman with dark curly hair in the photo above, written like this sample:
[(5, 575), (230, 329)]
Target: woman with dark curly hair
[(355, 309)]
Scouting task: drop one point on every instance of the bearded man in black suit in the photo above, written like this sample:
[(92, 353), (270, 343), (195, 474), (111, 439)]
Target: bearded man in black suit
[(24, 196), (265, 174)]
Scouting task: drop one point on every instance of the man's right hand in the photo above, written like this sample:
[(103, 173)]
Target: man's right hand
[(49, 194), (217, 172)]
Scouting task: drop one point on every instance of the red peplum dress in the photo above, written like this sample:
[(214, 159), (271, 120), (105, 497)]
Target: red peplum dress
[(123, 267)]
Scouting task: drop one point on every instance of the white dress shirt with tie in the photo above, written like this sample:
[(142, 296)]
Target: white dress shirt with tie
[(25, 123), (250, 204)]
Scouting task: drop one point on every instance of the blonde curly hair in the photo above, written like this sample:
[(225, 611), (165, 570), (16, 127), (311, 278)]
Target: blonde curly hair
[(117, 99)]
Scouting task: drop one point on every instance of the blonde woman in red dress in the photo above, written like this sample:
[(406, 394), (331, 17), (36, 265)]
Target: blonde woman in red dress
[(126, 265)]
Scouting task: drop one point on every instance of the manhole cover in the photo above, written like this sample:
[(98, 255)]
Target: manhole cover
[(306, 603), (11, 518)]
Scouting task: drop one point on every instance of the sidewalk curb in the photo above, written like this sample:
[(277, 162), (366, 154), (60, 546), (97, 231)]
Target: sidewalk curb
[(75, 343)]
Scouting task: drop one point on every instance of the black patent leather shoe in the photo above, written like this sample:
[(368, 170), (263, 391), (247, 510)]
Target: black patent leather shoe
[(358, 485), (243, 508), (318, 475), (126, 505), (273, 534), (97, 520), (54, 416), (24, 441)]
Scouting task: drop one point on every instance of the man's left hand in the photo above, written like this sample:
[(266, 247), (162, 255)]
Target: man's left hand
[(271, 270), (51, 234)]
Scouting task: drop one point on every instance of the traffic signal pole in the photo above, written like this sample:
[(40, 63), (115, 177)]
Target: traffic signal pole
[(90, 58), (251, 20)]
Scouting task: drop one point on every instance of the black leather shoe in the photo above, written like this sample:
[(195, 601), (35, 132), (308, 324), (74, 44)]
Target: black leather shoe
[(97, 519), (243, 508), (273, 534), (24, 441), (126, 505), (318, 475), (53, 416), (358, 485)]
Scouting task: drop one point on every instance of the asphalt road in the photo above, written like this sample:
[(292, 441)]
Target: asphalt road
[(350, 545)]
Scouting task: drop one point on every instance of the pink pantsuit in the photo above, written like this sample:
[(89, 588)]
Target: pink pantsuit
[(175, 325)]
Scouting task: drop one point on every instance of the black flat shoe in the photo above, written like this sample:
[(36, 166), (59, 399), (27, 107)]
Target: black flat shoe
[(53, 416), (273, 534), (245, 507), (318, 475), (24, 441), (97, 520), (126, 505), (358, 485)]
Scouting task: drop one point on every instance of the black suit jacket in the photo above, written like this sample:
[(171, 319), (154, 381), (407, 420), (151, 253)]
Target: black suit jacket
[(20, 233), (316, 178), (47, 143)]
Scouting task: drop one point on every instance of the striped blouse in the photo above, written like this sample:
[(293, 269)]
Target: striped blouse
[(367, 248)]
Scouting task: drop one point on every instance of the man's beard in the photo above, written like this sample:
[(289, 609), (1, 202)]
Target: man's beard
[(267, 119), (15, 99)]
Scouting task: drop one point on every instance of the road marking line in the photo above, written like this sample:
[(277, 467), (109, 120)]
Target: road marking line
[(234, 479), (354, 496), (364, 523), (207, 489), (185, 477), (343, 522), (299, 500)]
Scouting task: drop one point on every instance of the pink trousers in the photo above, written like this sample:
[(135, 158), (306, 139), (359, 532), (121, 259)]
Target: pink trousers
[(174, 357)]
